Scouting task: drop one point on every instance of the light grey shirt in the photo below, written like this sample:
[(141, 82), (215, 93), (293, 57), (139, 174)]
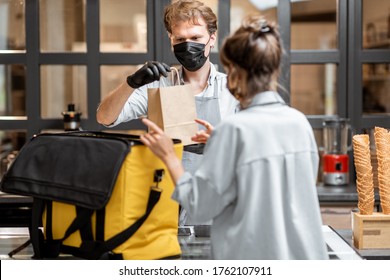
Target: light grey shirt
[(137, 104), (257, 182)]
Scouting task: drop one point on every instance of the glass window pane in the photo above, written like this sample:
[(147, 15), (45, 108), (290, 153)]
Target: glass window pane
[(213, 4), (12, 25), (376, 24), (62, 85), (11, 141), (12, 90), (314, 24), (313, 89), (376, 88), (112, 76), (123, 26), (241, 8), (62, 25)]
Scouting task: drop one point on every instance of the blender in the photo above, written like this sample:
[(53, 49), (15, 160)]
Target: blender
[(335, 157)]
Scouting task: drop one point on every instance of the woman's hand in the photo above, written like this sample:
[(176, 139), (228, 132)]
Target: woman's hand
[(203, 135), (162, 146)]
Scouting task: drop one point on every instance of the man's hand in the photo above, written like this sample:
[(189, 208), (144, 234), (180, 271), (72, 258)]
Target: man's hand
[(150, 72), (203, 135)]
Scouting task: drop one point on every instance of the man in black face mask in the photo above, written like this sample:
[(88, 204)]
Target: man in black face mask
[(191, 28), (191, 55)]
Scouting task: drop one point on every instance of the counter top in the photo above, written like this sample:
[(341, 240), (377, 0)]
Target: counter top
[(193, 247), (369, 254), (6, 198), (340, 194)]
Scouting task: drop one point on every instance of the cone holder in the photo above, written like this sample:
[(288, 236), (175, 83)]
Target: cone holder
[(371, 231)]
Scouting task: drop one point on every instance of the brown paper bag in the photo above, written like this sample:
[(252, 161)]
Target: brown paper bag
[(173, 109)]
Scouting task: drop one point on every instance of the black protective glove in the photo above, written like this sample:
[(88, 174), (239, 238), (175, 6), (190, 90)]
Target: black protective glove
[(150, 72)]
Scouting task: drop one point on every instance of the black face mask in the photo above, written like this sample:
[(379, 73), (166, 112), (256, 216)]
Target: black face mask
[(190, 55)]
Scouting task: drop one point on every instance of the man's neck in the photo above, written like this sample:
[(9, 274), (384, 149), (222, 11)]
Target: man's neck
[(198, 79)]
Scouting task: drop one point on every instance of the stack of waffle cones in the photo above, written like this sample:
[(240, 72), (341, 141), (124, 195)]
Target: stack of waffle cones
[(382, 142), (364, 180)]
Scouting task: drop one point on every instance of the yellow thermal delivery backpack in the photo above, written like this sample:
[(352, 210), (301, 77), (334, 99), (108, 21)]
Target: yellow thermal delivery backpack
[(97, 195)]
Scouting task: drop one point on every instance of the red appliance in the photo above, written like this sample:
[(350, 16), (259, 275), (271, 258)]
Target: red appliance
[(335, 157)]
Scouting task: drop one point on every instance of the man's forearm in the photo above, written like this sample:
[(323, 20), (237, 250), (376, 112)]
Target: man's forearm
[(111, 106)]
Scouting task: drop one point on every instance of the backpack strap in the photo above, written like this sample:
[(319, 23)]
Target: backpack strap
[(20, 248), (86, 227), (52, 247), (100, 224), (115, 241), (36, 234), (103, 250), (81, 222)]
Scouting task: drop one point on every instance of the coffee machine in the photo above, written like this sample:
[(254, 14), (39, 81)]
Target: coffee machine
[(335, 163)]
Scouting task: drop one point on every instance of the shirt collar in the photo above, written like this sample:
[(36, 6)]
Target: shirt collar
[(212, 76), (266, 97)]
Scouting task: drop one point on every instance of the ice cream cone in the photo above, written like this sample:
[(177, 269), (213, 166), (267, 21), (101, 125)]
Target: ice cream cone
[(364, 181), (382, 142)]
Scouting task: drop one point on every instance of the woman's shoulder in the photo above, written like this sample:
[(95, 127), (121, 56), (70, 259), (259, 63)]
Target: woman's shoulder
[(230, 125)]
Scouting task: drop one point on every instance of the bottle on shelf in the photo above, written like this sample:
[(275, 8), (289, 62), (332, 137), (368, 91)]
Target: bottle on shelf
[(71, 119)]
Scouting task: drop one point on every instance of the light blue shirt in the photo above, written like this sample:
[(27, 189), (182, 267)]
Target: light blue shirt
[(257, 182)]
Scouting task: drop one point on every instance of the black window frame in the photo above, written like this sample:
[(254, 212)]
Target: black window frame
[(349, 57)]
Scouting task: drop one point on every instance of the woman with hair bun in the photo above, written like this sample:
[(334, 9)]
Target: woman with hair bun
[(257, 180)]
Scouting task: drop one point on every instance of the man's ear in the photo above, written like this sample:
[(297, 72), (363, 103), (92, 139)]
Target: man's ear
[(170, 40), (213, 38)]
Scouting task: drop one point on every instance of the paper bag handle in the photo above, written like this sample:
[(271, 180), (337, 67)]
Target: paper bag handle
[(177, 74)]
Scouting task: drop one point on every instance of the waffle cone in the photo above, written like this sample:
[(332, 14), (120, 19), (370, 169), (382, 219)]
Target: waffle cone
[(366, 209), (365, 180), (382, 143), (385, 209)]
